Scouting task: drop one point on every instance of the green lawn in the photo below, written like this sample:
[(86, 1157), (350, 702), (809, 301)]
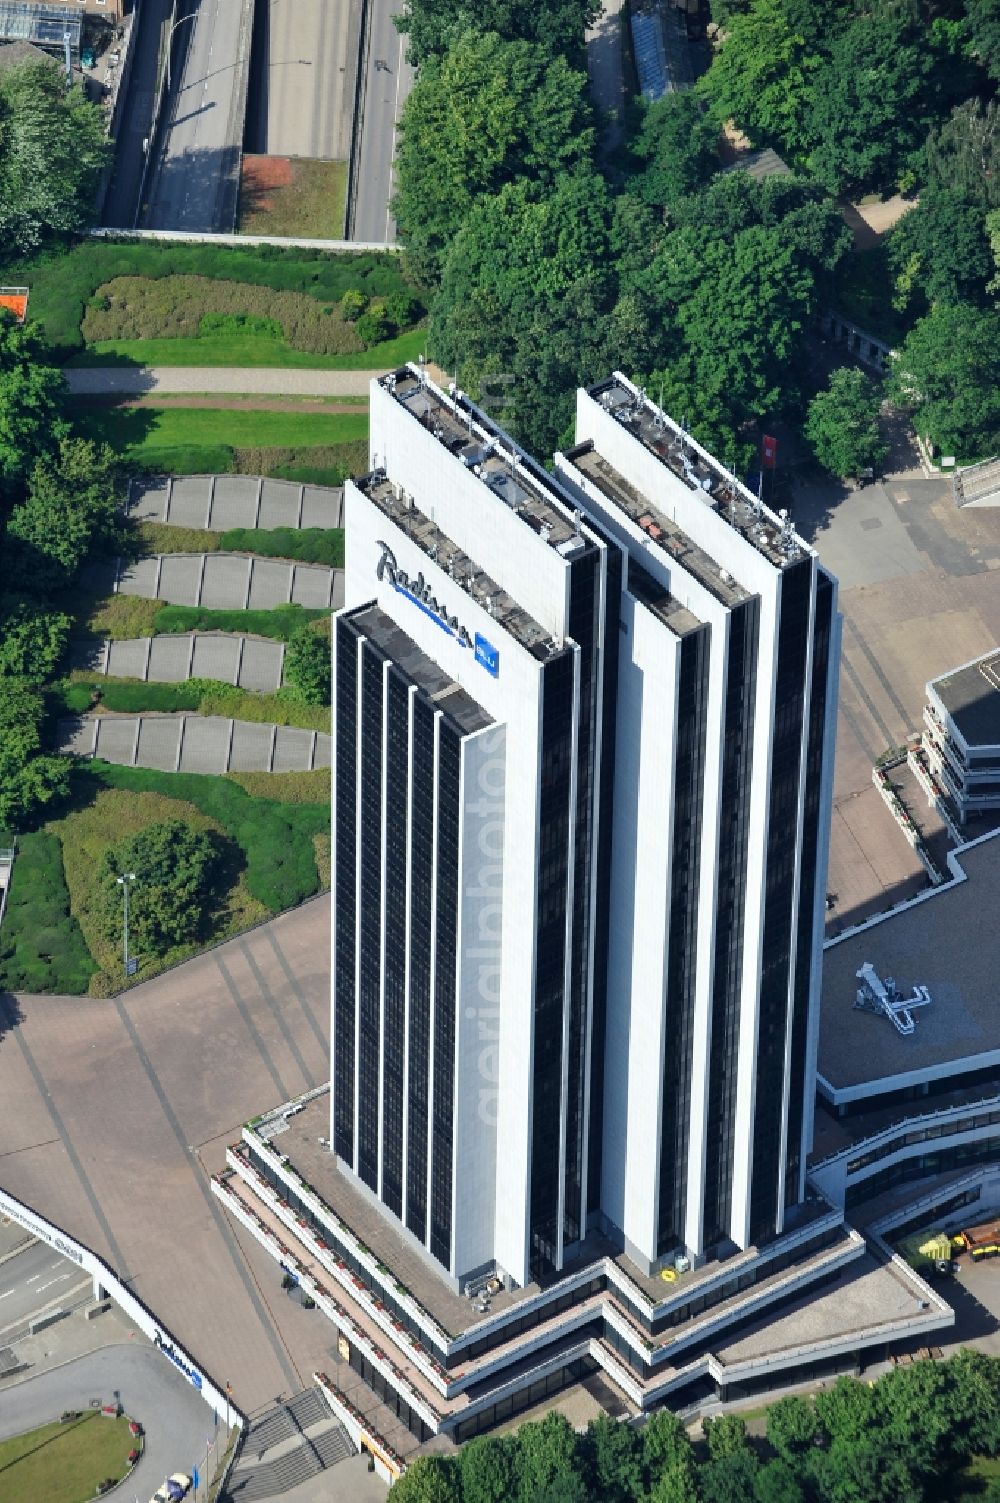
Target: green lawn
[(136, 431), (248, 350), (64, 1463), (62, 280), (310, 205)]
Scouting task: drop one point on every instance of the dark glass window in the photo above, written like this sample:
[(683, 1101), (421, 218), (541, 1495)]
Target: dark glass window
[(805, 937), (734, 815), (345, 915), (685, 869), (550, 955), (369, 929), (609, 669), (394, 980), (421, 866), (779, 896), (443, 1106)]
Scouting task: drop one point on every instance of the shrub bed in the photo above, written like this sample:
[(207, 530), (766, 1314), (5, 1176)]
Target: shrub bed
[(119, 617), (101, 818), (319, 464), (307, 545), (286, 787), (42, 948), (160, 537), (133, 696), (188, 306), (63, 280), (276, 839)]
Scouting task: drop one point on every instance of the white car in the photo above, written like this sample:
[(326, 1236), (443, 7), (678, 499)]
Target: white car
[(176, 1487)]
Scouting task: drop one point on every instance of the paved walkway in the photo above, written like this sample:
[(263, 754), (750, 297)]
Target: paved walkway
[(232, 582), (193, 743), (132, 381), (604, 64)]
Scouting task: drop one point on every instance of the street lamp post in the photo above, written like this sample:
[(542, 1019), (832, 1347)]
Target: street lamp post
[(123, 882), (170, 40)]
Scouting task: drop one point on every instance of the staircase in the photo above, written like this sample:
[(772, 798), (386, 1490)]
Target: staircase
[(286, 1446)]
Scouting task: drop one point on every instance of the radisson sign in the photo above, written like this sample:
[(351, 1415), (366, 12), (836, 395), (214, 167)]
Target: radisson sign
[(418, 591)]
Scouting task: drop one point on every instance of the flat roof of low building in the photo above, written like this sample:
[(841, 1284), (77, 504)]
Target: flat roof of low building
[(421, 670), (45, 25), (971, 696), (947, 940)]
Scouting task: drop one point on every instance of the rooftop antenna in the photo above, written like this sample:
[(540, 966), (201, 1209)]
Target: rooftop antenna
[(422, 361), (786, 541), (432, 553)]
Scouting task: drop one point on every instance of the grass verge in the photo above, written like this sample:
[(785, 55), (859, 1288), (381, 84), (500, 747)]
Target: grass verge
[(306, 545), (64, 1463), (161, 537), (42, 947), (119, 617), (249, 350), (134, 431), (86, 834)]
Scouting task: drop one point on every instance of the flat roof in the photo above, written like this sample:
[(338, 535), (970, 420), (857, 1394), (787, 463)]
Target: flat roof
[(657, 525), (771, 535), (658, 599), (467, 575), (45, 25), (420, 669), (971, 696), (491, 454), (946, 940), (870, 1291)]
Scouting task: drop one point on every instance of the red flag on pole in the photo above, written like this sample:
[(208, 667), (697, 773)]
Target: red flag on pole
[(769, 452)]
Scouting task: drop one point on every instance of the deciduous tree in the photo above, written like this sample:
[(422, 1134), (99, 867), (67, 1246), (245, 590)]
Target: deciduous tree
[(31, 402), (53, 144), (173, 898), (948, 369), (28, 778), (843, 432), (554, 26)]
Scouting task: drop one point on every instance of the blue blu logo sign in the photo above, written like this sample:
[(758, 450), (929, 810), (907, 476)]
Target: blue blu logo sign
[(487, 655)]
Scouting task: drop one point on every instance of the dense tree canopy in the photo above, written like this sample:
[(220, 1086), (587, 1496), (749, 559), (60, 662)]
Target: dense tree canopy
[(554, 26), (28, 779), (31, 402), (676, 148), (898, 1441), (53, 144), (485, 113), (948, 370), (963, 154), (69, 509), (941, 249)]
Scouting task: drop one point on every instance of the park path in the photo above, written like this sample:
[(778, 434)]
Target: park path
[(136, 381)]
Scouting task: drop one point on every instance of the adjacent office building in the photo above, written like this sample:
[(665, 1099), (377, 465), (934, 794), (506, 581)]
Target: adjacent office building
[(583, 754)]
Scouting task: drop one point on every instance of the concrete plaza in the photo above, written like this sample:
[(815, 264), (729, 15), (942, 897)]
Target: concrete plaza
[(116, 1112)]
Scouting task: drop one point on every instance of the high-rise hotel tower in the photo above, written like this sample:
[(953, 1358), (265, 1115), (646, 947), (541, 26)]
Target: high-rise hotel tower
[(582, 764)]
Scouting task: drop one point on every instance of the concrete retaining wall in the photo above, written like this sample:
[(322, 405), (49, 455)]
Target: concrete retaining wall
[(218, 502), (231, 582)]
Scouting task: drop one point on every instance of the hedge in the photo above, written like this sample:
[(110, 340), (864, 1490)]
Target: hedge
[(276, 839), (63, 280), (205, 696), (42, 947), (306, 545), (279, 623)]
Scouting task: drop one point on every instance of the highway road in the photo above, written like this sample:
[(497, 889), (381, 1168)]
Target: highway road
[(195, 182), (302, 96), (137, 115), (34, 1278), (388, 80)]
